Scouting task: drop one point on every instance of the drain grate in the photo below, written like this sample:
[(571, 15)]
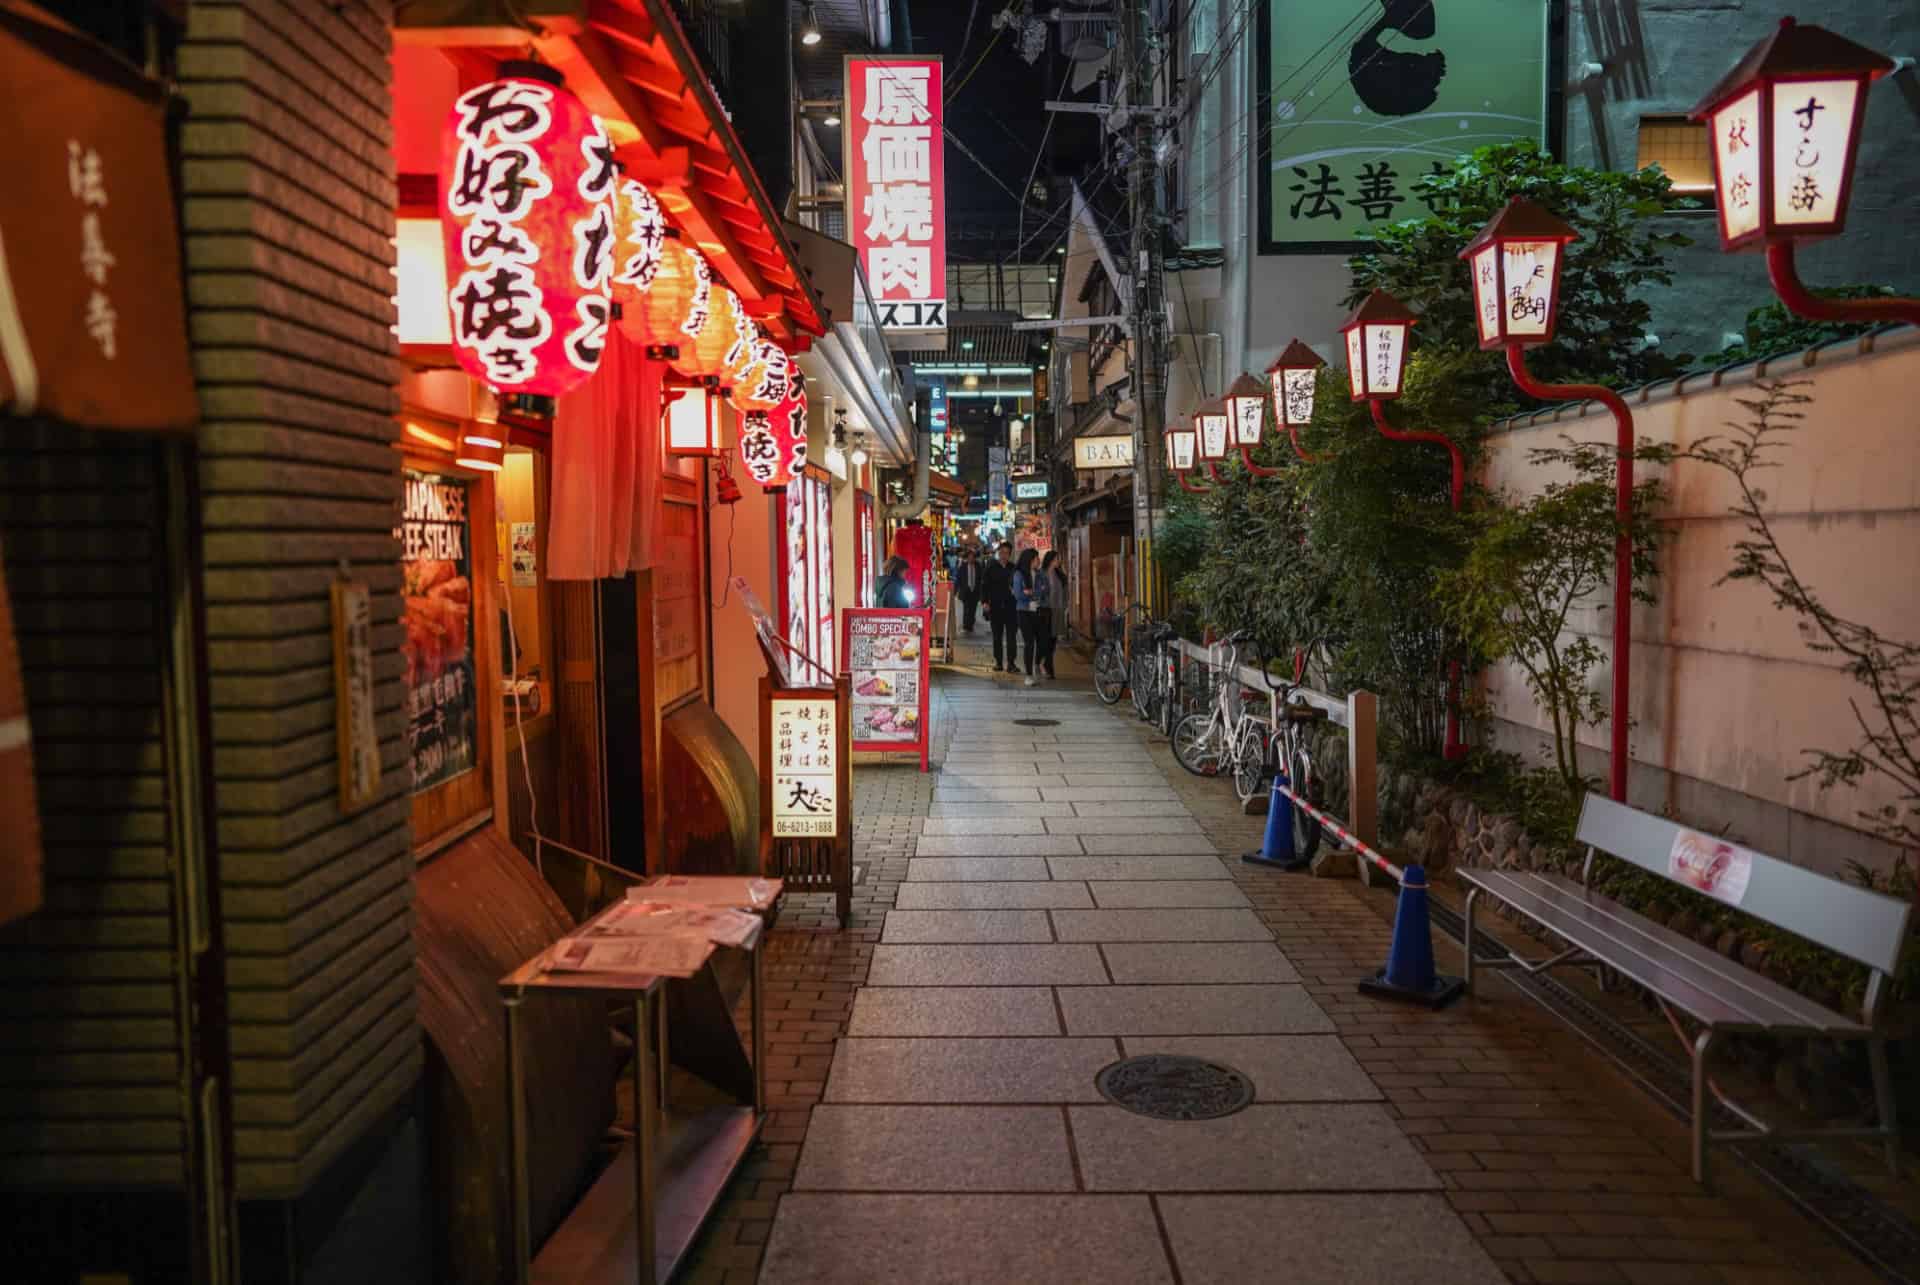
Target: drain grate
[(1169, 1087), (1036, 722)]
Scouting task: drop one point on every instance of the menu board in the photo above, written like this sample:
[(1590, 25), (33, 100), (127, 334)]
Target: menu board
[(805, 768), (442, 711), (885, 656)]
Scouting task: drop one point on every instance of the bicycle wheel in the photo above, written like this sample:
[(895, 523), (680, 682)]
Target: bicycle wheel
[(1196, 745), (1109, 674), (1140, 679), (1306, 784), (1249, 761)]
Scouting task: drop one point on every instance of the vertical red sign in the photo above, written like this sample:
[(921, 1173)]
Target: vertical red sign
[(896, 187)]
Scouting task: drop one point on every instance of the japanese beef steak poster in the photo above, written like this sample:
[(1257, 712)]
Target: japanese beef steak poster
[(442, 706)]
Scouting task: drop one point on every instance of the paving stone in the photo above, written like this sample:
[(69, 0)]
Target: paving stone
[(1049, 895), (1330, 1240), (1160, 924), (951, 869), (1259, 1009), (935, 1148), (978, 1070), (940, 808), (821, 1239), (988, 825), (1102, 793), (1122, 894), (1019, 964), (1122, 825), (1283, 1068), (955, 794), (926, 926), (1093, 780), (1325, 1147), (1197, 963), (969, 780), (1125, 808), (1111, 867), (998, 845), (1144, 845), (940, 1010)]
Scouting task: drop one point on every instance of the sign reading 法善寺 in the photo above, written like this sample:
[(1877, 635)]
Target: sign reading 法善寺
[(95, 329), (805, 767), (896, 187), (1350, 118)]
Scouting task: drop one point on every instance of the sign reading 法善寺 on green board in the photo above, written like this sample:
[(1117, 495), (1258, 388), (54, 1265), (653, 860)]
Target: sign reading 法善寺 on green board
[(1357, 103)]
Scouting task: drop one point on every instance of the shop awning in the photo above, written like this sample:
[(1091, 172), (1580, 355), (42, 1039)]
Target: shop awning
[(1116, 486), (631, 63), (942, 485)]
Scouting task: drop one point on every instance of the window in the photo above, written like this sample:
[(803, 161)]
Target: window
[(1681, 149)]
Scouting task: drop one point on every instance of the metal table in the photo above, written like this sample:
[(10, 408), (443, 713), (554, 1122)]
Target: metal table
[(682, 1154)]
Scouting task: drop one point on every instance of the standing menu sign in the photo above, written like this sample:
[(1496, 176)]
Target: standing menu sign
[(805, 767), (443, 721), (886, 658)]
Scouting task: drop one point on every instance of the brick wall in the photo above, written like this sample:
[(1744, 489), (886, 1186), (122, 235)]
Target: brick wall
[(289, 198)]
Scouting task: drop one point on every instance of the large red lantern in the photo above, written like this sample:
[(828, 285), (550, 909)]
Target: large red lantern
[(773, 443), (527, 177)]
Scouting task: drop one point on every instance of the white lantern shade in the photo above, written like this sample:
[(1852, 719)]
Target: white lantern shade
[(1736, 137), (1485, 266), (1249, 417), (1295, 397), (1812, 139), (1386, 358), (1356, 364), (1515, 263), (1215, 432), (693, 424), (1180, 449), (1528, 272)]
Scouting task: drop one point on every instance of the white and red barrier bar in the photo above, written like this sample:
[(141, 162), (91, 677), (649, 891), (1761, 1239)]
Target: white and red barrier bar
[(1343, 834)]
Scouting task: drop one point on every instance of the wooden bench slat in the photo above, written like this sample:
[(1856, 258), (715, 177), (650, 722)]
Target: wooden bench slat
[(1699, 980)]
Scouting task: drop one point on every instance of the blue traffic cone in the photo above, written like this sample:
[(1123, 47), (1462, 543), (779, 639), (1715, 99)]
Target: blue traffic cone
[(1277, 849), (1409, 972)]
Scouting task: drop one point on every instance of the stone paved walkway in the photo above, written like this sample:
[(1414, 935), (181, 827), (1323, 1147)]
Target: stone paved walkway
[(1052, 898)]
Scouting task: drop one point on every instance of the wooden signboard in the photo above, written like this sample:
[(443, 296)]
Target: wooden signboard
[(356, 738), (806, 789), (884, 656)]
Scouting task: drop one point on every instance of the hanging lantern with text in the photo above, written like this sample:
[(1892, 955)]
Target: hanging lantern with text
[(773, 443), (1376, 337), (739, 355), (668, 298), (704, 353), (762, 384), (527, 177), (1292, 379), (1180, 449), (1515, 262), (1210, 422), (1247, 410), (641, 226), (1785, 127)]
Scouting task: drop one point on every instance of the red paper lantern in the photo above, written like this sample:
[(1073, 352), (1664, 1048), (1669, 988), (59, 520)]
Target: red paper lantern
[(527, 176), (705, 353), (643, 231), (762, 385), (668, 298), (773, 443), (740, 353)]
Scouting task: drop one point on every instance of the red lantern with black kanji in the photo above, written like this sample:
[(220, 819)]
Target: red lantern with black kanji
[(527, 177), (773, 443)]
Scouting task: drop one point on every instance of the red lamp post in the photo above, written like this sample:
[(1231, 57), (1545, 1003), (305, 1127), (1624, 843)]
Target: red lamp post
[(1180, 456), (1785, 128), (1214, 434), (1247, 414), (1376, 336), (1516, 261), (1293, 377)]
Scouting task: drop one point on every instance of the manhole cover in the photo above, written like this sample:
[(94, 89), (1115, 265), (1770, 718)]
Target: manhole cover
[(1168, 1087), (1037, 722)]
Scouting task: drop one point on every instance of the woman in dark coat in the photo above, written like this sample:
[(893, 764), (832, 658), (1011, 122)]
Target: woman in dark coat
[(892, 590)]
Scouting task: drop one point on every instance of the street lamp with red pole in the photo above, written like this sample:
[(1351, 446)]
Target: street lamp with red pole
[(1180, 453), (1292, 378), (1515, 262), (1247, 415), (1376, 336), (1785, 128)]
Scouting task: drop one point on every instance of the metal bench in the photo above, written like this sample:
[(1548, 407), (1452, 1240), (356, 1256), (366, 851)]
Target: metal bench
[(1721, 995)]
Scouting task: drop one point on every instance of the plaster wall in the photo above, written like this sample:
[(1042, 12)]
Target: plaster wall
[(1726, 695)]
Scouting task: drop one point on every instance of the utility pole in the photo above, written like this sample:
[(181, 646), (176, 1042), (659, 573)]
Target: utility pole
[(1146, 354)]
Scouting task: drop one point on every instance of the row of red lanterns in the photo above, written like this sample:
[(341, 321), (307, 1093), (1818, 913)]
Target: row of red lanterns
[(549, 244)]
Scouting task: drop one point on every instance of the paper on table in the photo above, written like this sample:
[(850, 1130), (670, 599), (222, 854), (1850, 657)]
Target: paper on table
[(661, 956), (707, 890), (720, 924)]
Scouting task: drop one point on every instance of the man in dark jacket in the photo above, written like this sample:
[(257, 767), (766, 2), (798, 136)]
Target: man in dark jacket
[(997, 588), (966, 585)]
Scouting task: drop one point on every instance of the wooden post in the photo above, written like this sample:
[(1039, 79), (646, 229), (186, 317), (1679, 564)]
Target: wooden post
[(1363, 780), (843, 792)]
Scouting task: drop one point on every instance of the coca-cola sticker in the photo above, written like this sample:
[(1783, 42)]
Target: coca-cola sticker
[(1713, 866)]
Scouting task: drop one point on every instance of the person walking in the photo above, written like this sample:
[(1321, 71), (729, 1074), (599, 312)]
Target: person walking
[(891, 589), (1030, 605), (966, 586), (996, 586), (1056, 583)]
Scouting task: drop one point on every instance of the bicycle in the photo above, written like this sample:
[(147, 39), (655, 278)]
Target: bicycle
[(1206, 742), (1288, 747), (1152, 678), (1110, 669)]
